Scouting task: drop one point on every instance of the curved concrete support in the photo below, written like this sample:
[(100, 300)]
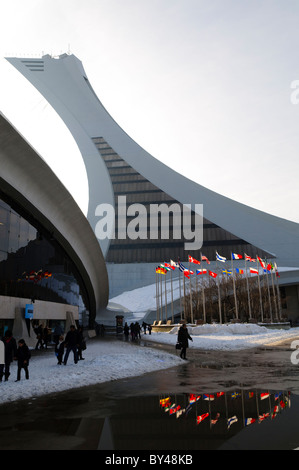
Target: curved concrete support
[(29, 181)]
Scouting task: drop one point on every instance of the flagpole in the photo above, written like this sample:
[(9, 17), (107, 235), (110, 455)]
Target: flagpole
[(235, 294), (203, 295), (269, 297), (165, 300), (191, 306), (161, 294), (172, 314), (180, 294), (259, 284), (278, 292), (274, 294), (157, 298), (219, 295), (248, 291)]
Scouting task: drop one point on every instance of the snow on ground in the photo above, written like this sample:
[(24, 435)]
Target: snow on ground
[(104, 361), (230, 337), (114, 359)]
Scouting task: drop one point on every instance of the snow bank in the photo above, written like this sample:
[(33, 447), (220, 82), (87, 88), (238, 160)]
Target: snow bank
[(231, 337)]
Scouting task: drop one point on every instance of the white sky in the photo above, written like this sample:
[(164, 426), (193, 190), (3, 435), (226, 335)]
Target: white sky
[(202, 85)]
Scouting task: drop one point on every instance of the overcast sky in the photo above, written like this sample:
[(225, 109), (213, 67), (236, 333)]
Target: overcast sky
[(205, 86)]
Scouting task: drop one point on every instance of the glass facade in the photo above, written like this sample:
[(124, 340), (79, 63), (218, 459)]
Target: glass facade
[(33, 265), (126, 181)]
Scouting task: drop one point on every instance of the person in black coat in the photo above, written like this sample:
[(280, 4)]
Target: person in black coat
[(23, 355), (10, 351), (59, 349), (71, 343), (183, 337)]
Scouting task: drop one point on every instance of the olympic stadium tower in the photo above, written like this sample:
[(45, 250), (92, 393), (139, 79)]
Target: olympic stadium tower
[(121, 175)]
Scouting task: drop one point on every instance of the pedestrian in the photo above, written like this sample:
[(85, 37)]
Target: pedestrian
[(126, 330), (59, 349), (71, 344), (23, 356), (81, 343), (10, 351), (144, 327), (149, 327), (183, 337), (46, 336), (133, 333), (39, 336)]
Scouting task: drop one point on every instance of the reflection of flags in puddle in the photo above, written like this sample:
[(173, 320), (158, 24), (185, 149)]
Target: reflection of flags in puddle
[(231, 421)]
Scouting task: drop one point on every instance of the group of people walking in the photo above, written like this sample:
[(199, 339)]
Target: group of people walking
[(74, 341), (135, 330), (20, 352), (13, 351)]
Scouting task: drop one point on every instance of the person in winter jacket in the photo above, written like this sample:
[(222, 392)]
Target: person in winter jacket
[(10, 350), (59, 349), (183, 337), (71, 344), (23, 356)]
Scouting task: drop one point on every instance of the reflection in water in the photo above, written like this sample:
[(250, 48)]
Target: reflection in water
[(222, 410)]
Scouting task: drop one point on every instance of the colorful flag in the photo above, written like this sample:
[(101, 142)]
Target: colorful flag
[(160, 270), (236, 395), (239, 271), (220, 258), (167, 265), (214, 421), (275, 411), (214, 275), (249, 421), (253, 271), (264, 395), (263, 417), (231, 421), (236, 256), (174, 264), (208, 397), (225, 271), (261, 262), (220, 394), (200, 418), (204, 258), (192, 260), (164, 401), (248, 258), (182, 268), (201, 271)]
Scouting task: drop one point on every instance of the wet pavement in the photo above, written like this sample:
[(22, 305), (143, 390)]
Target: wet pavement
[(127, 415)]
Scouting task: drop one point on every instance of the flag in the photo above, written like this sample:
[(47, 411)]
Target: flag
[(270, 267), (264, 395), (228, 272), (174, 264), (239, 271), (180, 412), (235, 256), (192, 260), (220, 394), (201, 271), (214, 421), (193, 398), (231, 421), (214, 275), (220, 258), (167, 265), (275, 411), (248, 258), (236, 395), (204, 258), (261, 262), (182, 268), (253, 271), (208, 397), (249, 421), (163, 266), (160, 270), (263, 417), (164, 401), (250, 395), (200, 418)]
